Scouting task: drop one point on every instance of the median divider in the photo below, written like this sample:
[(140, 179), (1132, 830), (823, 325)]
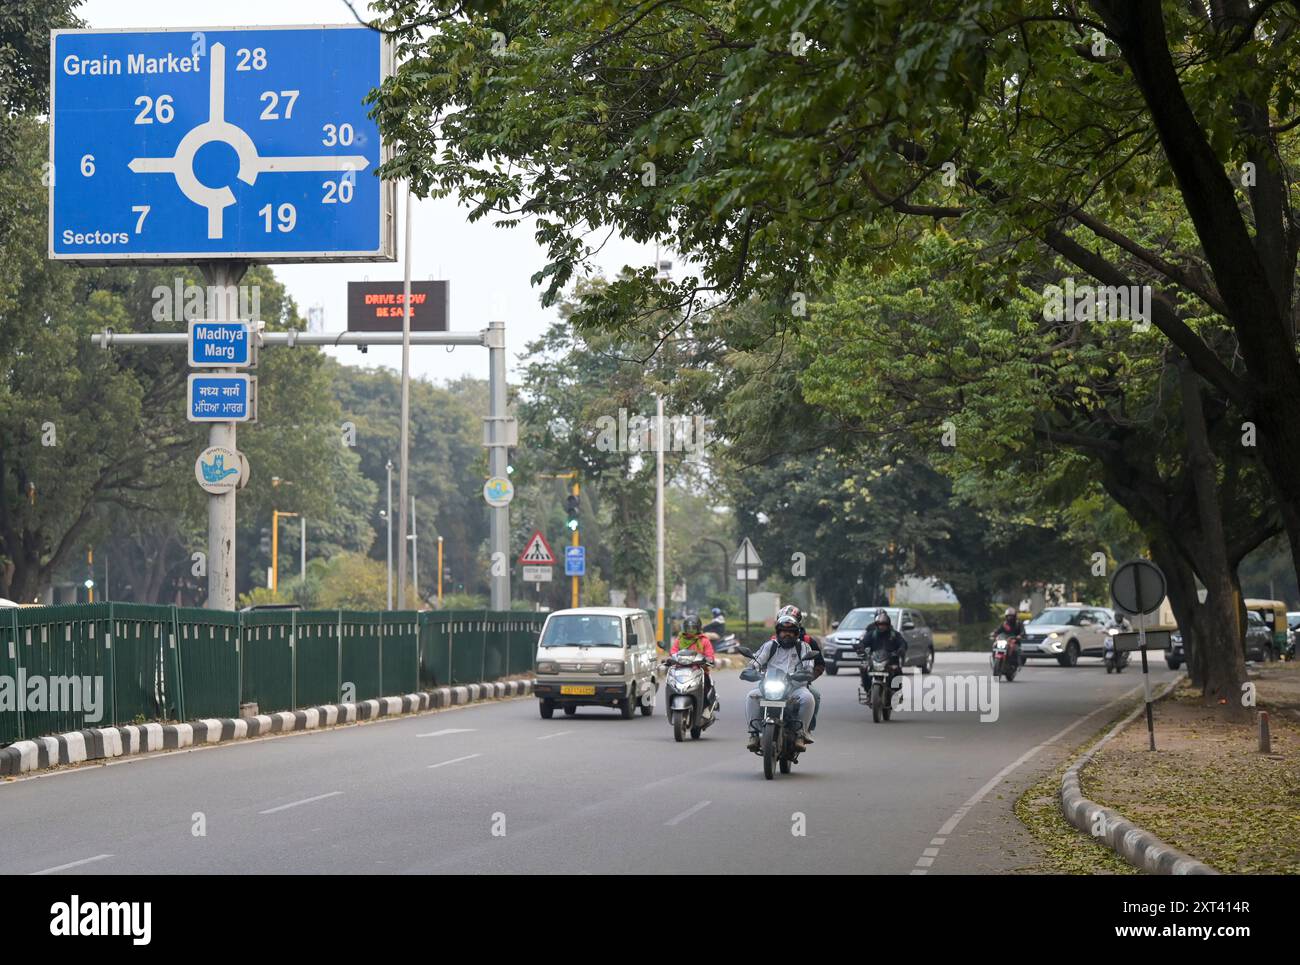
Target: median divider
[(106, 743), (1134, 844)]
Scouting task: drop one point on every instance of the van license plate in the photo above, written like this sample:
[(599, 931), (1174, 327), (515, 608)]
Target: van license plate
[(771, 703), (575, 691)]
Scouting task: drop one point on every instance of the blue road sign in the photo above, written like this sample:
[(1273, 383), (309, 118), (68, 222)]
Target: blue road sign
[(225, 344), (220, 398), (250, 143), (575, 561)]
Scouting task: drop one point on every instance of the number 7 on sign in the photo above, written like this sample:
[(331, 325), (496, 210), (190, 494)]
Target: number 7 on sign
[(217, 128)]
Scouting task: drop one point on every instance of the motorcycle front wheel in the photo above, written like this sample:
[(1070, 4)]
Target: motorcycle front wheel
[(679, 725), (877, 698), (769, 750)]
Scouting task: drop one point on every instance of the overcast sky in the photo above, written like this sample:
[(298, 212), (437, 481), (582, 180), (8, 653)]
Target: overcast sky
[(488, 267)]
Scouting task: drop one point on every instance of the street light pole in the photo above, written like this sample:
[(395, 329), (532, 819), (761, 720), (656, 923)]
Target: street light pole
[(415, 556), (389, 517), (659, 519)]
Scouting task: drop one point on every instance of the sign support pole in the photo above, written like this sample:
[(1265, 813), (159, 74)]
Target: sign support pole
[(224, 276), (404, 458), (1146, 681)]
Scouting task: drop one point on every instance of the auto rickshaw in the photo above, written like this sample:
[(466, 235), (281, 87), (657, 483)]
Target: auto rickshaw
[(1273, 613)]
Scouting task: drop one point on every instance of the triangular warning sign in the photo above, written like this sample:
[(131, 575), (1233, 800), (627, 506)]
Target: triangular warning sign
[(537, 551)]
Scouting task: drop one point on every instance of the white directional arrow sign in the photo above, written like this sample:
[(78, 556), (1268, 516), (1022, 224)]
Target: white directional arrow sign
[(216, 128)]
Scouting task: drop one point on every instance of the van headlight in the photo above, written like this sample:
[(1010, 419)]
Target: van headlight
[(612, 668), (773, 689), (547, 666)]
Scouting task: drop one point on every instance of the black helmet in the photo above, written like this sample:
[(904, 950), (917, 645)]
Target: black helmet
[(692, 627), (787, 623), (717, 612), (882, 616)]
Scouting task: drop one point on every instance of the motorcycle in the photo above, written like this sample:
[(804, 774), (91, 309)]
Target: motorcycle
[(877, 690), (1115, 660), (685, 691), (1005, 657), (779, 724)]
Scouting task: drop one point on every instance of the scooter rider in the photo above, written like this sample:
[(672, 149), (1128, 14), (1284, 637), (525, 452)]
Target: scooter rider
[(786, 650), (718, 623), (692, 638)]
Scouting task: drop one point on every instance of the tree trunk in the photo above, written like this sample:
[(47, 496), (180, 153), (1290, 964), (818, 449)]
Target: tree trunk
[(1181, 582), (1224, 667)]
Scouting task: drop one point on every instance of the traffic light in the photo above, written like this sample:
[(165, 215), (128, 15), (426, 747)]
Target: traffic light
[(265, 544), (571, 506)]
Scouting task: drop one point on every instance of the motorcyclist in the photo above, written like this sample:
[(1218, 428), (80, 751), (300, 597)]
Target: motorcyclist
[(1011, 624), (717, 624), (881, 635), (786, 650), (819, 662), (693, 638), (1013, 628)]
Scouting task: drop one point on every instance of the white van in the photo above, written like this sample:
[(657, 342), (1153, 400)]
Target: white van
[(602, 656)]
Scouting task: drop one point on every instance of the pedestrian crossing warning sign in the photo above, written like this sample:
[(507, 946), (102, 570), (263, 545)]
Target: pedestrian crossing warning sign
[(537, 551)]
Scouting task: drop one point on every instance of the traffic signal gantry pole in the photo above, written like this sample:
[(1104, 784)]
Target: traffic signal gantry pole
[(221, 507)]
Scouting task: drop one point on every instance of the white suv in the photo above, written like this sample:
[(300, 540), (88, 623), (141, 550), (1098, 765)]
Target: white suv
[(1068, 632)]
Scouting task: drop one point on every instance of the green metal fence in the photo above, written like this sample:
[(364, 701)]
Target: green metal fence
[(67, 668)]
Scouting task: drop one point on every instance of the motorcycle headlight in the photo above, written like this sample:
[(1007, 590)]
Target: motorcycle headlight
[(611, 668), (547, 666), (773, 689)]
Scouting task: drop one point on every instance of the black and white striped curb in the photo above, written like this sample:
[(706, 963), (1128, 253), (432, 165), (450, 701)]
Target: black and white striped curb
[(102, 743), (1137, 846)]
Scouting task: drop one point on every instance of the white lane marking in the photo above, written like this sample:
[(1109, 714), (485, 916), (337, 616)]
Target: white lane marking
[(72, 864), (456, 760), (447, 730), (308, 800), (950, 825), (687, 813), (918, 871), (931, 852), (931, 737), (558, 733), (938, 841)]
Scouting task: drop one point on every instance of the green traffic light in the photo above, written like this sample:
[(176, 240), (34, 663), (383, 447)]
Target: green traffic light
[(573, 524)]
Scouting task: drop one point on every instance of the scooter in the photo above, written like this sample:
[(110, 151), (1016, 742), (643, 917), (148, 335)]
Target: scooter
[(779, 724), (723, 644), (1005, 657), (688, 710)]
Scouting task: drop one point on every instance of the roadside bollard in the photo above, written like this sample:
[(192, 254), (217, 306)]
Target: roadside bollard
[(1265, 744)]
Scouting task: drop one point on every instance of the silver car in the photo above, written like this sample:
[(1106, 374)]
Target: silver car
[(1068, 632), (838, 645)]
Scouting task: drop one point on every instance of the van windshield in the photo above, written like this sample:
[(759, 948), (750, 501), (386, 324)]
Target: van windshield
[(582, 630)]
